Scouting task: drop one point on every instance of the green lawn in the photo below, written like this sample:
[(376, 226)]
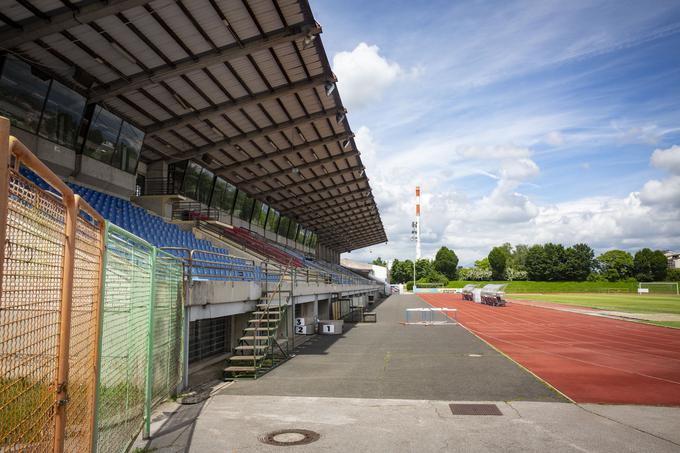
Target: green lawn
[(559, 287), (630, 303)]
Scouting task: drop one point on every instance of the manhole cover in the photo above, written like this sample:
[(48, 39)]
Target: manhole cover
[(286, 437), (475, 409)]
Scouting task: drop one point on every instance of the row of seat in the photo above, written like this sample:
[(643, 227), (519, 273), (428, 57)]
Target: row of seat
[(250, 241), (159, 233), (210, 263)]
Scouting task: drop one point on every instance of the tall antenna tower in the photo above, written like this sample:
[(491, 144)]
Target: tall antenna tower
[(417, 223), (415, 234)]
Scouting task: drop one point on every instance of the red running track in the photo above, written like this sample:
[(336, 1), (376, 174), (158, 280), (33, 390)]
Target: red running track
[(590, 359)]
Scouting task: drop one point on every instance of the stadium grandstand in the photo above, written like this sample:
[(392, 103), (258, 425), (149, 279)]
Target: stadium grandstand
[(206, 136)]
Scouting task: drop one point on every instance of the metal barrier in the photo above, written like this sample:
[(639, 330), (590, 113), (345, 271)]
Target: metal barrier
[(91, 318), (48, 318), (160, 186), (193, 210), (141, 342)]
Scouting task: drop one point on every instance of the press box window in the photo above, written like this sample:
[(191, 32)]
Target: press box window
[(243, 207), (22, 93), (272, 220), (62, 115), (113, 141), (284, 224), (259, 214)]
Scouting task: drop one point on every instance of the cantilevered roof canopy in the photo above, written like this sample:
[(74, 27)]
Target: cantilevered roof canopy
[(242, 84)]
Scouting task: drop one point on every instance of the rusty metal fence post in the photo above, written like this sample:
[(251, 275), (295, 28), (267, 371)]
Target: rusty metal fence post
[(78, 298), (65, 322), (43, 238)]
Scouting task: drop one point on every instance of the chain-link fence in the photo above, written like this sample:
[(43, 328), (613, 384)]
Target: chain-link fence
[(142, 320), (128, 273), (30, 309), (90, 318), (167, 327)]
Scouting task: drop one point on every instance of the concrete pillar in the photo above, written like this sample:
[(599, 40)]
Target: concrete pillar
[(158, 169)]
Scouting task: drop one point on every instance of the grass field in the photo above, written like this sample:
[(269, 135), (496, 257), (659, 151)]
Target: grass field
[(559, 287), (629, 303)]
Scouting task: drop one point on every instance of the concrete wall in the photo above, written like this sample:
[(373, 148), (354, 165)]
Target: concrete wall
[(66, 163), (160, 205)]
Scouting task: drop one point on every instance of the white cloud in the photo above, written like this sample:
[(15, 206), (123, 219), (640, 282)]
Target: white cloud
[(664, 192), (501, 213), (496, 152), (554, 138), (364, 75), (667, 159)]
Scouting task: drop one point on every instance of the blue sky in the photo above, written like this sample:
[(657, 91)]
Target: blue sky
[(523, 122)]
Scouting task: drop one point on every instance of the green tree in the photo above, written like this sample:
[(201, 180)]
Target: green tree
[(518, 258), (446, 262), (673, 275), (556, 257), (650, 265), (483, 264), (615, 265), (379, 262), (423, 268), (401, 271), (578, 262), (498, 260), (659, 266), (537, 263)]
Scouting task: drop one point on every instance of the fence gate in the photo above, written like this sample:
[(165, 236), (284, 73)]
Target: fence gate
[(48, 321), (91, 317)]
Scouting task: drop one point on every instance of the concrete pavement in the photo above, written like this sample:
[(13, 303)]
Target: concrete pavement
[(387, 388), (233, 423), (391, 360)]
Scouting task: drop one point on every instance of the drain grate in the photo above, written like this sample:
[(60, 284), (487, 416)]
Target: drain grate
[(475, 409), (287, 437)]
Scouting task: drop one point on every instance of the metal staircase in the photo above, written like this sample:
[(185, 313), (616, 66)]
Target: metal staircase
[(259, 349)]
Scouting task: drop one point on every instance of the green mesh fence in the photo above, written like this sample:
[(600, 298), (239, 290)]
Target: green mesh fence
[(167, 327), (142, 294)]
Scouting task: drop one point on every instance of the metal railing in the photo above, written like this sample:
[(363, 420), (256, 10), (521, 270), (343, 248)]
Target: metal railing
[(198, 265), (206, 265), (193, 210), (161, 186)]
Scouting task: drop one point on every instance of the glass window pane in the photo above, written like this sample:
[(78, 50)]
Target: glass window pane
[(218, 191), (301, 235), (227, 201), (62, 114), (292, 230), (191, 180), (263, 215), (259, 214), (244, 206), (22, 94), (129, 146), (284, 223), (272, 220), (177, 171), (102, 136), (308, 238), (205, 183)]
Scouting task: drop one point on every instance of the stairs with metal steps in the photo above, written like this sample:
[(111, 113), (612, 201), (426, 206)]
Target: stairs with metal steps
[(259, 349)]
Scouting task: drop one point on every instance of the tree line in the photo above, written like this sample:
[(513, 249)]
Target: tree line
[(540, 262)]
